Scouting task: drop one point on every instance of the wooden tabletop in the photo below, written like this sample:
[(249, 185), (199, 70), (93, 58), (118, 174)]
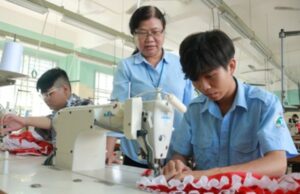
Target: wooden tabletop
[(296, 137), (294, 160)]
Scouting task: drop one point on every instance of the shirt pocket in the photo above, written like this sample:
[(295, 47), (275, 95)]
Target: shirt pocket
[(244, 150), (204, 152)]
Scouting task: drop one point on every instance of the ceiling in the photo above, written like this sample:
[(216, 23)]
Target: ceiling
[(261, 19)]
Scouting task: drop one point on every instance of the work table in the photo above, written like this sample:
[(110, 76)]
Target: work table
[(27, 175)]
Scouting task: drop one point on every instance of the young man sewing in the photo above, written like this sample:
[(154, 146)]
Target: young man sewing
[(55, 88), (232, 126)]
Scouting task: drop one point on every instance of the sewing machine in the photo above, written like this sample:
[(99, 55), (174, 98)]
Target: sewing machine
[(81, 131)]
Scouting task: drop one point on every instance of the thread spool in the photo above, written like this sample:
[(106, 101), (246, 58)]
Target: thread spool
[(12, 57), (176, 103)]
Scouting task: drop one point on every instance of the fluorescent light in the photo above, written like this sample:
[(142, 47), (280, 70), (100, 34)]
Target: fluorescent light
[(209, 4), (84, 26), (233, 21), (30, 5), (260, 47)]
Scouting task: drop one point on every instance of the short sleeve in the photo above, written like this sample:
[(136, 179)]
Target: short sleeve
[(274, 134)]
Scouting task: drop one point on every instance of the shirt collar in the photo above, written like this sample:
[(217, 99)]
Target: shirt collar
[(240, 99), (138, 58), (72, 99)]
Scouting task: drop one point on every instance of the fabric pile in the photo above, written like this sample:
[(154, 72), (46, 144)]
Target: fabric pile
[(229, 183), (25, 143)]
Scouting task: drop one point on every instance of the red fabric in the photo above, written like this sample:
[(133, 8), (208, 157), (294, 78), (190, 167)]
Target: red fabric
[(242, 189), (45, 147), (298, 127), (26, 135), (147, 172), (26, 151)]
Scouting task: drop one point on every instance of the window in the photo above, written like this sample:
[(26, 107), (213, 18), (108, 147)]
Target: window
[(103, 88), (23, 97)]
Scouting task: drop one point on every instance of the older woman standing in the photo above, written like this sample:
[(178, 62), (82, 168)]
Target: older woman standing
[(149, 68)]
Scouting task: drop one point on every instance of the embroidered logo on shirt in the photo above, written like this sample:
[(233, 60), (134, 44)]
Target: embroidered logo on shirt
[(279, 121)]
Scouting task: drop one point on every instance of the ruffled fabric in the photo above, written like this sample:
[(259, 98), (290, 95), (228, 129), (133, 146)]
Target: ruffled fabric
[(226, 183), (24, 143)]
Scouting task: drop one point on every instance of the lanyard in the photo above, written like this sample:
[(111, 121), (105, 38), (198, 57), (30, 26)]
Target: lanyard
[(160, 75)]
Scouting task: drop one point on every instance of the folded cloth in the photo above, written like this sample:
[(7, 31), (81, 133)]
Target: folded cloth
[(231, 183), (25, 143)]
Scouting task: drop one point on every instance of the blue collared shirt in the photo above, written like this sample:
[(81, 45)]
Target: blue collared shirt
[(134, 75), (253, 126)]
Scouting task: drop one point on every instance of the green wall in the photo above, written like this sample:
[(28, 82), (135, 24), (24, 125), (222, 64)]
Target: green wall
[(78, 70), (87, 72), (292, 96)]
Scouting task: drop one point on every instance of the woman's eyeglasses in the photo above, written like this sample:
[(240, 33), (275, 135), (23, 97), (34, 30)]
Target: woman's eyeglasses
[(143, 34)]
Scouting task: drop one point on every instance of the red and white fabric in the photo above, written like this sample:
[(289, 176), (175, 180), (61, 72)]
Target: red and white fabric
[(26, 143), (226, 183)]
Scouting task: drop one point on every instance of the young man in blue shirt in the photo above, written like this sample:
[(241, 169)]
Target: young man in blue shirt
[(232, 126)]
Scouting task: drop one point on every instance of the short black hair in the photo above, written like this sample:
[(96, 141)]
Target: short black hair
[(50, 78), (144, 13), (203, 52)]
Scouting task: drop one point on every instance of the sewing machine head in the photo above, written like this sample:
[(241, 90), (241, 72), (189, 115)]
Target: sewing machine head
[(152, 129), (80, 146)]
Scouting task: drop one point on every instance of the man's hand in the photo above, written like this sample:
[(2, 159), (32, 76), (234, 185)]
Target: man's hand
[(11, 122), (197, 174), (112, 158), (176, 169)]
